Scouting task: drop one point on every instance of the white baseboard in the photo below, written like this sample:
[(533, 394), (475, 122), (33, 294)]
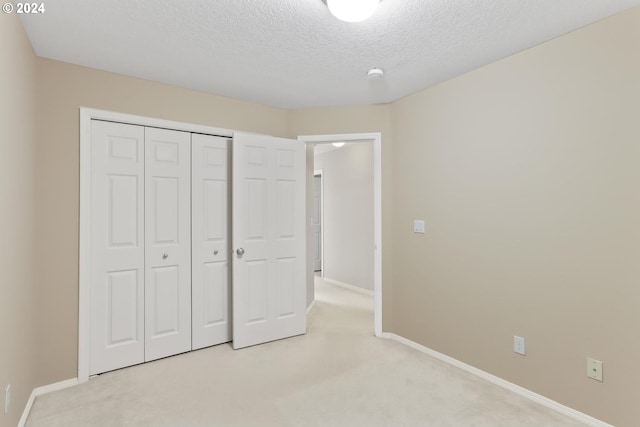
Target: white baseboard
[(39, 391), (544, 401), (310, 307), (349, 287)]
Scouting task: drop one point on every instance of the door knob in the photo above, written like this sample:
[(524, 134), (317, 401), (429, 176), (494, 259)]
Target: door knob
[(240, 251), (165, 256)]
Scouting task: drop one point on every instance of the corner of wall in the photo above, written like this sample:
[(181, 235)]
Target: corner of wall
[(18, 304)]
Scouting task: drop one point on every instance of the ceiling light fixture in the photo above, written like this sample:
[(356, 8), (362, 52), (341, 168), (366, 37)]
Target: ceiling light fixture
[(352, 10), (337, 144)]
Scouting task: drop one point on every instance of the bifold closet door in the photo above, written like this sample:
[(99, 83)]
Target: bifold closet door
[(160, 217), (167, 183), (117, 246), (269, 239), (211, 296)]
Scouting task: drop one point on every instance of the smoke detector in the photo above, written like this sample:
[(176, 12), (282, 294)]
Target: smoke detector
[(375, 73)]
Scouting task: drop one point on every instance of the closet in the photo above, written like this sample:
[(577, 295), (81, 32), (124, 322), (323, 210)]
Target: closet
[(174, 265)]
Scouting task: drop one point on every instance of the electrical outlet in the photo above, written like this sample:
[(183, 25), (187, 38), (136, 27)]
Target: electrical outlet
[(7, 398), (594, 369), (518, 345)]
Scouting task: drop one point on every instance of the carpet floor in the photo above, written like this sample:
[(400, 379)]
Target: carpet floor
[(338, 374)]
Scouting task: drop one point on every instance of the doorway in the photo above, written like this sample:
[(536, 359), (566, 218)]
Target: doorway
[(376, 140)]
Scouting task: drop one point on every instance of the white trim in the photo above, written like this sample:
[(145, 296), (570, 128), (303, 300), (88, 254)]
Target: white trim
[(310, 307), (113, 116), (84, 261), (349, 287), (39, 391), (320, 172), (521, 391), (84, 257), (376, 137)]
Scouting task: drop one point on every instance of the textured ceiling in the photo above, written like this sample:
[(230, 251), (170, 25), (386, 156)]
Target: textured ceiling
[(294, 53)]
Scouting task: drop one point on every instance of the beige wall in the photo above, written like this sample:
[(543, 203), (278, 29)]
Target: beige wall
[(347, 220), (356, 119), (63, 88), (18, 313), (527, 172)]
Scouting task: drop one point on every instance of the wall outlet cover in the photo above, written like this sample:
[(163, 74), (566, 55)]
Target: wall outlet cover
[(594, 369)]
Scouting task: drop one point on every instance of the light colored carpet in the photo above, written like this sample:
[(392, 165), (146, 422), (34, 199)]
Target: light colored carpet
[(338, 374)]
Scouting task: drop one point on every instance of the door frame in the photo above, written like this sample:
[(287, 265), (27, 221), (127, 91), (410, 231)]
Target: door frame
[(376, 138), (319, 172), (84, 253)]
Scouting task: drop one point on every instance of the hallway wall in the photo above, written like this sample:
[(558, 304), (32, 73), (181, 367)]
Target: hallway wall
[(348, 214)]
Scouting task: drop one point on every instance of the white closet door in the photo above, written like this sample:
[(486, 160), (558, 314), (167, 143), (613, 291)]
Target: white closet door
[(117, 246), (210, 241), (269, 289), (167, 243)]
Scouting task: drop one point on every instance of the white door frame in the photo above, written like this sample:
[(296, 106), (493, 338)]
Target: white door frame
[(376, 138), (319, 172), (84, 261)]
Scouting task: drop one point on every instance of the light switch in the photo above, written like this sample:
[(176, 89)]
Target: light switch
[(418, 226), (518, 345)]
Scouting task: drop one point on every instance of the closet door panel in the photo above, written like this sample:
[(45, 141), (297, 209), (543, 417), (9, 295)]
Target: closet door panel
[(269, 239), (117, 246), (167, 243), (210, 241)]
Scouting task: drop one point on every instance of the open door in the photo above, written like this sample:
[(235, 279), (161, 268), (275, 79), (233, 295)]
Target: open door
[(269, 239)]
